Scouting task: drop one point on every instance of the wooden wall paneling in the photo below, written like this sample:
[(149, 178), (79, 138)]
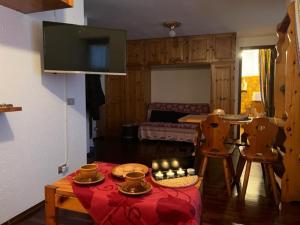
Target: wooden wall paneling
[(200, 49), (145, 97), (130, 95), (147, 90), (155, 51), (135, 96), (177, 50), (135, 53), (280, 68), (115, 104), (221, 90), (31, 6), (142, 95), (224, 47), (291, 181)]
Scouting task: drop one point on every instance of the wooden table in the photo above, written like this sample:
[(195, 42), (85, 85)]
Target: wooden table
[(199, 118), (60, 195), (192, 118)]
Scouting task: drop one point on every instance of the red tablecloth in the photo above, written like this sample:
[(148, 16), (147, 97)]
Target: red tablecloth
[(161, 206)]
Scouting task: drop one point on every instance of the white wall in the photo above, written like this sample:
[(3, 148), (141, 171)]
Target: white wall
[(257, 40), (33, 141), (182, 85)]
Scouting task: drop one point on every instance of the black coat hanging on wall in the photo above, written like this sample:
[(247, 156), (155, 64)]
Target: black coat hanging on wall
[(94, 95)]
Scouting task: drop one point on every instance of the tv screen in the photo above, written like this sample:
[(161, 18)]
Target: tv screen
[(72, 48)]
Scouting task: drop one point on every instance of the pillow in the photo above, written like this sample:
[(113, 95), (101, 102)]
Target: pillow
[(166, 116), (178, 115)]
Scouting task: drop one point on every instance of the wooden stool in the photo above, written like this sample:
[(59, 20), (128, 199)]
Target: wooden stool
[(261, 133), (216, 131)]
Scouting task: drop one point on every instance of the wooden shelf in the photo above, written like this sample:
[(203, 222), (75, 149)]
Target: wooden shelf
[(10, 109), (31, 6)]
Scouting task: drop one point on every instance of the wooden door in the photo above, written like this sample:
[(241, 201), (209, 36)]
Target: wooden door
[(199, 49), (137, 94), (222, 90), (177, 50), (155, 51), (115, 104), (135, 53), (223, 47)]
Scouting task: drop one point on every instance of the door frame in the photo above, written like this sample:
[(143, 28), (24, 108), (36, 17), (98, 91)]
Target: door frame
[(272, 47)]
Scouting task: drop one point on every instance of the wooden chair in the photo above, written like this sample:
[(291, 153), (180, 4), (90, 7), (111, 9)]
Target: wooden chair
[(215, 131), (260, 133)]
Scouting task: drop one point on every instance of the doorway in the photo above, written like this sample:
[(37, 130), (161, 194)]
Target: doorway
[(256, 81)]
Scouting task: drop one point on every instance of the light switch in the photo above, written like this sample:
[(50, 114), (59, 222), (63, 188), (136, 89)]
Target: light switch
[(70, 101)]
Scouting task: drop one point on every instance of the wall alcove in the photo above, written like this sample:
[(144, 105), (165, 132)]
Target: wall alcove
[(127, 97)]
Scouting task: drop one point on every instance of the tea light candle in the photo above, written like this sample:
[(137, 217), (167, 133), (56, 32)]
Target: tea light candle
[(170, 174), (159, 175), (165, 164), (175, 164), (190, 171), (155, 165), (180, 172)]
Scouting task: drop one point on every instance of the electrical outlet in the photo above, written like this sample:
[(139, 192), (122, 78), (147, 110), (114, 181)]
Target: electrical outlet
[(62, 169)]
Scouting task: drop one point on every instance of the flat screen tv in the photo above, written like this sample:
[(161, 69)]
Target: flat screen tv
[(70, 48)]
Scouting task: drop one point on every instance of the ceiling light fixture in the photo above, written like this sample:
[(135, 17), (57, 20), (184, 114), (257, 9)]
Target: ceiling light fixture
[(172, 25)]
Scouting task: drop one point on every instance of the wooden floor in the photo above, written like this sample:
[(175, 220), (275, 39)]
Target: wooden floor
[(258, 208)]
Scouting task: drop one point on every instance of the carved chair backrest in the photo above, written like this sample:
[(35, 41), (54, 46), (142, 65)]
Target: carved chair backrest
[(215, 131), (261, 134)]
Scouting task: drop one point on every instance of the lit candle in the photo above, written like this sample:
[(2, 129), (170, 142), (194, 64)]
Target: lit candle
[(190, 171), (165, 164), (175, 164), (159, 175), (180, 172), (155, 165), (170, 174)]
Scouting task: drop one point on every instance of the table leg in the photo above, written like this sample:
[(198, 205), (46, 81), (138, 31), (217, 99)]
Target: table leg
[(50, 209)]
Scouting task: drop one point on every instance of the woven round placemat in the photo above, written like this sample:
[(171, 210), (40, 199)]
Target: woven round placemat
[(177, 182)]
